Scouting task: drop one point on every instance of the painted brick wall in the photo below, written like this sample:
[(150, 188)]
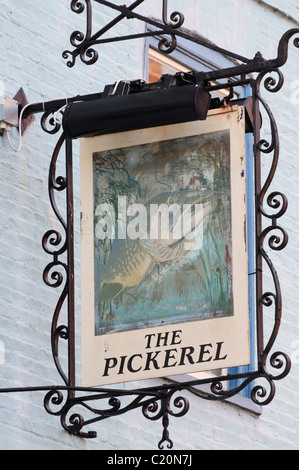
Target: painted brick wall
[(32, 38)]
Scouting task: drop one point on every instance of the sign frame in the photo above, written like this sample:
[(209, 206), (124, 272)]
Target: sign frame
[(159, 402), (216, 342)]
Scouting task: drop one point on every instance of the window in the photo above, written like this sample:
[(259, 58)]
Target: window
[(159, 64), (186, 57)]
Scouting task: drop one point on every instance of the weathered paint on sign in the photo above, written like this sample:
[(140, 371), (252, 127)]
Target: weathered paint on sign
[(164, 261)]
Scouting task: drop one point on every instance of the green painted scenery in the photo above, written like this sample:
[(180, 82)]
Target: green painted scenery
[(162, 224)]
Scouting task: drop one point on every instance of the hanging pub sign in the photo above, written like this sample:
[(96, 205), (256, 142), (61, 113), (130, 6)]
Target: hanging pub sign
[(163, 248)]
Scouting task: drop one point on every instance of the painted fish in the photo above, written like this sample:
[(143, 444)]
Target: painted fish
[(131, 259)]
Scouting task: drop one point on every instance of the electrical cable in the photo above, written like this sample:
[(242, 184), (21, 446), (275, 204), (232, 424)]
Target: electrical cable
[(18, 149), (59, 111)]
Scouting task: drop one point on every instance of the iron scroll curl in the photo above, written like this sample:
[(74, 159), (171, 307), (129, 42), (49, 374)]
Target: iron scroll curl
[(72, 403), (160, 403)]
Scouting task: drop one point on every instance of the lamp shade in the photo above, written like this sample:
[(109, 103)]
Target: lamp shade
[(136, 111)]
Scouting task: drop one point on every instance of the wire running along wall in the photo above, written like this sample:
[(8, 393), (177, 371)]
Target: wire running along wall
[(69, 401)]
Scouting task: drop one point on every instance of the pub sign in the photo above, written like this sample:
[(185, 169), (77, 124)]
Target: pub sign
[(164, 250)]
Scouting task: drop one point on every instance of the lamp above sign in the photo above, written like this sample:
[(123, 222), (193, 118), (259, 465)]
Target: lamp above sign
[(121, 108)]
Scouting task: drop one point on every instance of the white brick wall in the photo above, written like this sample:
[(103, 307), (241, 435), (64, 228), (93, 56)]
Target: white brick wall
[(32, 38)]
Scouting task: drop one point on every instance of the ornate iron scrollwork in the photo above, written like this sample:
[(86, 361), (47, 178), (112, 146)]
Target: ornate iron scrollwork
[(276, 239), (169, 29), (155, 404), (56, 245), (78, 39), (159, 403)]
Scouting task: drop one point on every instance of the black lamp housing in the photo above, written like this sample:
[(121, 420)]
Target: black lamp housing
[(150, 108)]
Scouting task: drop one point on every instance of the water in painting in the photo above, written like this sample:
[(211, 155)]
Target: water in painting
[(162, 233)]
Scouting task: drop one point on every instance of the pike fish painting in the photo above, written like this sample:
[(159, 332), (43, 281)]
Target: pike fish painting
[(162, 233)]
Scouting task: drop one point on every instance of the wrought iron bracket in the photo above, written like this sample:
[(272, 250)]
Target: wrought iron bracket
[(68, 401), (83, 42), (169, 30)]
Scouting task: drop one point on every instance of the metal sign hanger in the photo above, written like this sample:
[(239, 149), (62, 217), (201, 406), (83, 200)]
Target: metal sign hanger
[(159, 403)]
